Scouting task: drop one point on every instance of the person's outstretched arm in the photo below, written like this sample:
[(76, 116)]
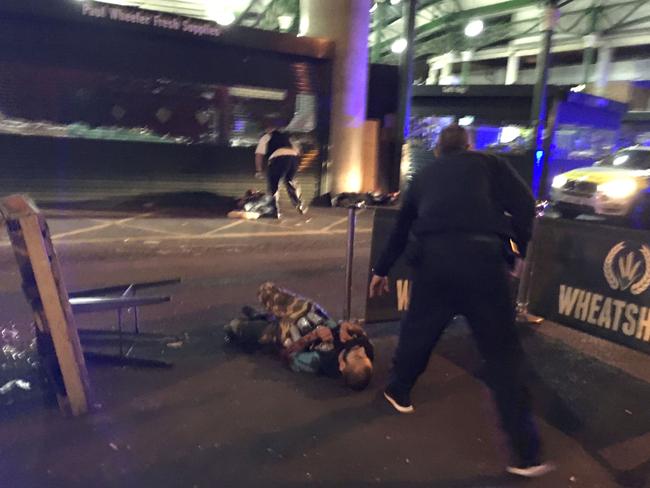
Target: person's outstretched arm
[(517, 199), (399, 236), (396, 243)]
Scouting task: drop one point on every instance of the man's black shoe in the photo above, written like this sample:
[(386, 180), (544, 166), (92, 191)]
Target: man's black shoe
[(401, 401)]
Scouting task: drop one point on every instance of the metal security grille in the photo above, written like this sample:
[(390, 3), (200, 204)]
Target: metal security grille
[(80, 120)]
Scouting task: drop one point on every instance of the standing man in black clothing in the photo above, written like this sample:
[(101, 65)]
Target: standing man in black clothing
[(282, 158), (454, 220)]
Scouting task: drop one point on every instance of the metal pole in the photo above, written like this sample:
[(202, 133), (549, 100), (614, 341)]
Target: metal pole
[(352, 222), (588, 58), (538, 122), (465, 67), (539, 109), (409, 8), (591, 40)]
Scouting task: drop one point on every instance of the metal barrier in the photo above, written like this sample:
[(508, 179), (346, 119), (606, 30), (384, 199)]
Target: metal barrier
[(593, 277)]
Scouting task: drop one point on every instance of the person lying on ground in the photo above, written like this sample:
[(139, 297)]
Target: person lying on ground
[(305, 337)]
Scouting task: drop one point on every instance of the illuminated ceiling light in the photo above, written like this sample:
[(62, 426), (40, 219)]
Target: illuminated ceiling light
[(395, 2), (373, 8), (465, 121), (219, 12), (224, 18), (474, 28), (399, 45), (285, 22)]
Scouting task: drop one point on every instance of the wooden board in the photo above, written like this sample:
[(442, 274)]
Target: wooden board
[(46, 293)]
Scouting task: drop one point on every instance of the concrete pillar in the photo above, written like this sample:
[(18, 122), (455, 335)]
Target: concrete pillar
[(588, 56), (447, 68), (466, 58), (434, 72), (347, 23), (512, 70), (602, 69)]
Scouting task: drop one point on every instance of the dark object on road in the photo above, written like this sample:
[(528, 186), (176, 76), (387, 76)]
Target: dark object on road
[(257, 202), (324, 200), (370, 199)]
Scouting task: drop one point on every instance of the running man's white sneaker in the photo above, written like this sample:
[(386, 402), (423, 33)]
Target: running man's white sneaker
[(532, 471)]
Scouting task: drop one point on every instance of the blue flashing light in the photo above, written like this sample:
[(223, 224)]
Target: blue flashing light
[(537, 172)]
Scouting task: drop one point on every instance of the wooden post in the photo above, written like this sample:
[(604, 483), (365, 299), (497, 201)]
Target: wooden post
[(44, 289)]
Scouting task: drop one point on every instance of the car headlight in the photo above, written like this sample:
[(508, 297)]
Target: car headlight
[(559, 181), (618, 189)]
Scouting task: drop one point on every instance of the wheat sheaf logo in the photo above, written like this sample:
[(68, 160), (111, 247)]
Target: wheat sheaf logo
[(628, 267)]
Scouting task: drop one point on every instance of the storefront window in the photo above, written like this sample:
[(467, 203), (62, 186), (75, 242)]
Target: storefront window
[(69, 103)]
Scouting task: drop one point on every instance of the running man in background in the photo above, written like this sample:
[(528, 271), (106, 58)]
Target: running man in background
[(282, 158)]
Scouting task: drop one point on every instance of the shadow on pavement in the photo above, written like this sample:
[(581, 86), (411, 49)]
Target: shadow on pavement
[(175, 204), (597, 405)]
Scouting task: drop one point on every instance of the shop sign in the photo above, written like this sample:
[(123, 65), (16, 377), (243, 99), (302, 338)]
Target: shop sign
[(130, 15), (458, 90), (593, 278)]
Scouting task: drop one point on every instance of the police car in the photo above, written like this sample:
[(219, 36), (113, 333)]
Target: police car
[(617, 186)]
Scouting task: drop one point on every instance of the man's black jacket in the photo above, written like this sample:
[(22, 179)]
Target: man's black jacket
[(463, 192)]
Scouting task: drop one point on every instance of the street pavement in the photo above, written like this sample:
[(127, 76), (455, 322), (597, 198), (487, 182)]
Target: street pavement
[(223, 417)]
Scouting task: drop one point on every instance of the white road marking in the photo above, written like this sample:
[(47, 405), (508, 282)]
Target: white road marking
[(234, 235), (154, 230), (81, 231), (224, 227), (162, 235), (340, 221), (98, 226)]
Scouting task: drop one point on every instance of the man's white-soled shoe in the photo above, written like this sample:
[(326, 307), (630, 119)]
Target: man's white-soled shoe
[(401, 402), (532, 471)]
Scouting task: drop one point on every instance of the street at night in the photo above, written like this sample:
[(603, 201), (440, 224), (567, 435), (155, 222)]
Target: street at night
[(223, 417), (329, 243)]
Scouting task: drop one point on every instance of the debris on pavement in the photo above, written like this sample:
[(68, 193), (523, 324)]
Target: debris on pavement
[(241, 214), (371, 199), (175, 345), (113, 446), (10, 385), (253, 205)]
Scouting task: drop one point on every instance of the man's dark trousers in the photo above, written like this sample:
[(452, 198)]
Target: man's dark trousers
[(284, 167), (462, 274)]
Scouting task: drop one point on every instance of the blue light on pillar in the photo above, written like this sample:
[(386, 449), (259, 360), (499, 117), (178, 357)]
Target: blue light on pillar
[(538, 170)]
